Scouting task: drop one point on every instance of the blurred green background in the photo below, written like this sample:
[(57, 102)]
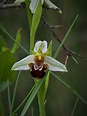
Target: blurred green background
[(60, 100)]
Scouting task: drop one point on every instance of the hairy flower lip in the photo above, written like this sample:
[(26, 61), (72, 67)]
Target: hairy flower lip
[(41, 47)]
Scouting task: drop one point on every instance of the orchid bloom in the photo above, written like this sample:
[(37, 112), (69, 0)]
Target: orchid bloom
[(39, 62)]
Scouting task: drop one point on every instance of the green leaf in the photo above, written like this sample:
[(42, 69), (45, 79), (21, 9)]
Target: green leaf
[(27, 2), (72, 114), (46, 83), (70, 87), (47, 76), (25, 99), (35, 23), (50, 48), (18, 40), (64, 39), (6, 61), (15, 89), (32, 96), (2, 43), (2, 28)]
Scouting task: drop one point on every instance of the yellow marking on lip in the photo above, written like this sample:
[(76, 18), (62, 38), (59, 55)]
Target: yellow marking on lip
[(39, 57)]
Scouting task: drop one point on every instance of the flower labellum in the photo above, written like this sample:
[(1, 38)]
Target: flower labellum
[(39, 62)]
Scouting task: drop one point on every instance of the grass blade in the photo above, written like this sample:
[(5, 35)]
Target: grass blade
[(9, 99), (72, 114), (63, 41), (5, 31), (33, 94), (18, 39), (35, 22), (24, 100), (67, 85), (14, 94)]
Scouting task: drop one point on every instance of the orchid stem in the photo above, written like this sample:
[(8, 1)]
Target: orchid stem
[(41, 103)]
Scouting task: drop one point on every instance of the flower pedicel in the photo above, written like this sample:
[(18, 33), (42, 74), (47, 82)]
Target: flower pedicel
[(39, 62)]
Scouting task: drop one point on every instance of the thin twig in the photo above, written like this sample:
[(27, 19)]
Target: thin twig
[(3, 5), (46, 7), (66, 60), (4, 2), (70, 53), (7, 6), (67, 50)]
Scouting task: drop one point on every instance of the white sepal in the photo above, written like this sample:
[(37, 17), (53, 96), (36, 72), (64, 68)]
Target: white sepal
[(23, 64), (33, 5), (54, 65)]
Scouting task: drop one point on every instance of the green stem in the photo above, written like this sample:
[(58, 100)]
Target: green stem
[(43, 89), (27, 2), (41, 102)]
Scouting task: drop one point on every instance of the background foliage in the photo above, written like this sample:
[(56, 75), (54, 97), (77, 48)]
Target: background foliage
[(60, 100)]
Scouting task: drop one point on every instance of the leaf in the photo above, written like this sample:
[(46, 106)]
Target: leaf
[(50, 48), (6, 61), (72, 114), (50, 5), (29, 13), (46, 83), (18, 40), (32, 96), (2, 43), (70, 87), (35, 23), (25, 99), (48, 74), (64, 39), (2, 28)]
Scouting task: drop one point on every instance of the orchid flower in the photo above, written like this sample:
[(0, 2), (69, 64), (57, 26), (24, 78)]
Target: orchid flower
[(39, 62)]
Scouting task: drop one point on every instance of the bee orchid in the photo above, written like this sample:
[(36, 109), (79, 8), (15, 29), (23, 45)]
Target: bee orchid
[(39, 62)]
